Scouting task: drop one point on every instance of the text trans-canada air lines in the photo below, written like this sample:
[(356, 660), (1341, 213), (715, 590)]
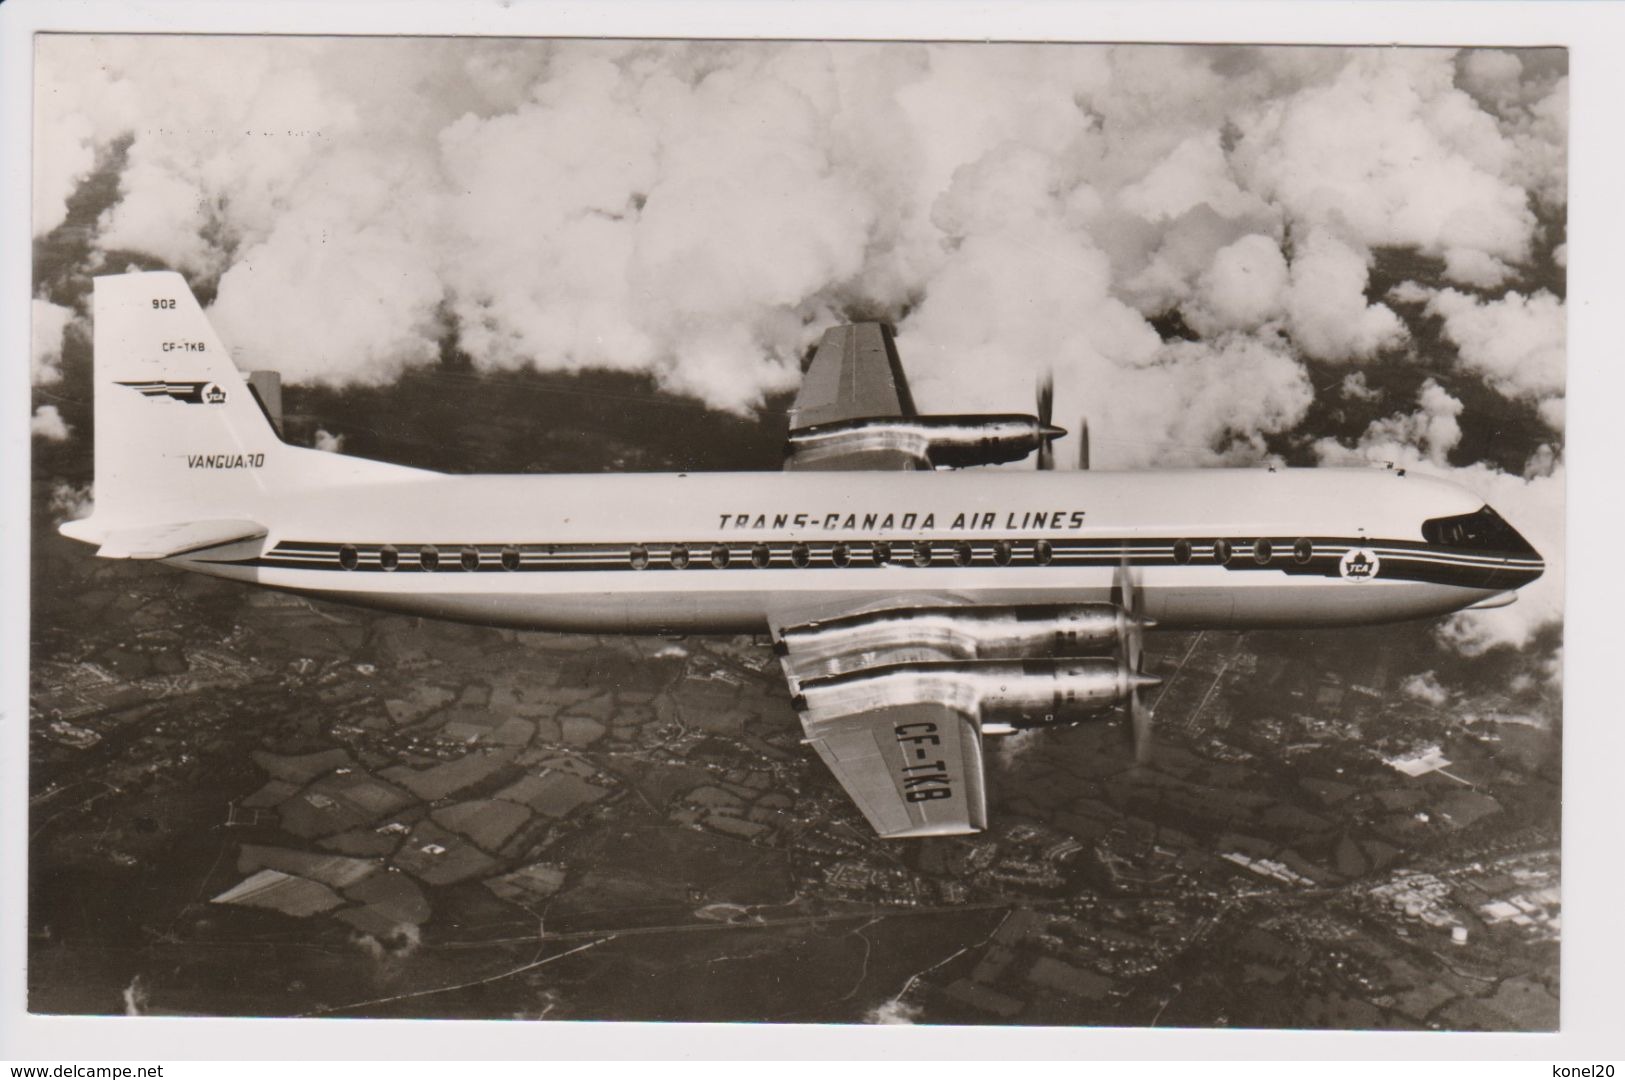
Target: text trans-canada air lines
[(918, 604)]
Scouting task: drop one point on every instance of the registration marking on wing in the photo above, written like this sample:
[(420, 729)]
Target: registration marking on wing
[(925, 779)]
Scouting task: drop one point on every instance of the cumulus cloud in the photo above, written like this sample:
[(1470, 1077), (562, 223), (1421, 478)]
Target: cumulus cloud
[(47, 424), (1425, 686), (701, 211), (1517, 343), (1392, 153), (326, 440), (1428, 434), (1355, 388), (1242, 288), (1327, 306), (50, 325), (69, 502), (1492, 75)]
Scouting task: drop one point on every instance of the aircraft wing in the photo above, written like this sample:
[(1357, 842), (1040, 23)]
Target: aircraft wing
[(870, 753), (854, 375), (914, 769)]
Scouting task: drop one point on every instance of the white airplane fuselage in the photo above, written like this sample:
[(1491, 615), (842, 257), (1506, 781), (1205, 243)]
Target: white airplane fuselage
[(720, 552)]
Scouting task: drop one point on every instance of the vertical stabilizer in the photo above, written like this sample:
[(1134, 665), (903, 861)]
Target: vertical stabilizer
[(181, 435)]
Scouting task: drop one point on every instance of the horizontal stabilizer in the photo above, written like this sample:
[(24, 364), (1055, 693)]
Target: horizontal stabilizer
[(165, 541)]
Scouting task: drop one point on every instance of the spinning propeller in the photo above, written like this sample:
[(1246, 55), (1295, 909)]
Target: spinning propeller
[(1047, 431), (1134, 627)]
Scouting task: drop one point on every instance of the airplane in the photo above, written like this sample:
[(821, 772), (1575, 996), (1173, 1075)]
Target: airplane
[(916, 606)]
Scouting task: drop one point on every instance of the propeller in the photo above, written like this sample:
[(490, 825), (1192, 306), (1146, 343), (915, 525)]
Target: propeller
[(1083, 442), (1047, 431), (1134, 626)]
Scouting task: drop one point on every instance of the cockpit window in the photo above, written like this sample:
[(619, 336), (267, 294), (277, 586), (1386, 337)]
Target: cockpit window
[(1482, 530)]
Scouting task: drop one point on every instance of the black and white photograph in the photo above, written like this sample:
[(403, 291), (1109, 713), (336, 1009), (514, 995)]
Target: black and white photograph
[(1023, 534)]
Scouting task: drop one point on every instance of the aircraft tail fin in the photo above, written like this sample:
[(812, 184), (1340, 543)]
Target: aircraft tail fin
[(184, 441)]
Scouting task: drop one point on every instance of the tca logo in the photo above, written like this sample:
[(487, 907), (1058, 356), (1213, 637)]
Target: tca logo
[(1359, 564)]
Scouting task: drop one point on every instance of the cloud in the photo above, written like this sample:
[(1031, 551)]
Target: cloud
[(326, 440), (1518, 343), (1355, 388), (1391, 153), (895, 1011), (47, 424), (69, 502), (1427, 434), (1492, 75), (1326, 303), (50, 325), (1425, 687), (701, 211), (1243, 287)]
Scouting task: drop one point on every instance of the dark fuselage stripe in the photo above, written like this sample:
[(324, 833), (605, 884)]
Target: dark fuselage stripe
[(1401, 560)]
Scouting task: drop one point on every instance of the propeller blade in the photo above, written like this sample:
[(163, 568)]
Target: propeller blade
[(1140, 713), (1134, 626), (1083, 442), (1047, 431)]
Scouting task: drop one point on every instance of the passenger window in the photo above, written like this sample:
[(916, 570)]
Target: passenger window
[(679, 557), (1182, 551), (471, 558), (1001, 552), (640, 557), (760, 555), (719, 556), (348, 557), (963, 553), (1263, 550), (388, 557), (882, 553), (1221, 551), (839, 555), (1303, 550), (429, 557), (510, 558), (922, 553), (800, 554), (1043, 552)]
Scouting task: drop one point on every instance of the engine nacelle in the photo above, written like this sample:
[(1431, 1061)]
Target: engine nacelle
[(945, 441), (1004, 695), (901, 635)]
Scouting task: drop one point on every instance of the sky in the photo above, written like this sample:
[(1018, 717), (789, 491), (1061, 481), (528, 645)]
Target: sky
[(1225, 255)]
